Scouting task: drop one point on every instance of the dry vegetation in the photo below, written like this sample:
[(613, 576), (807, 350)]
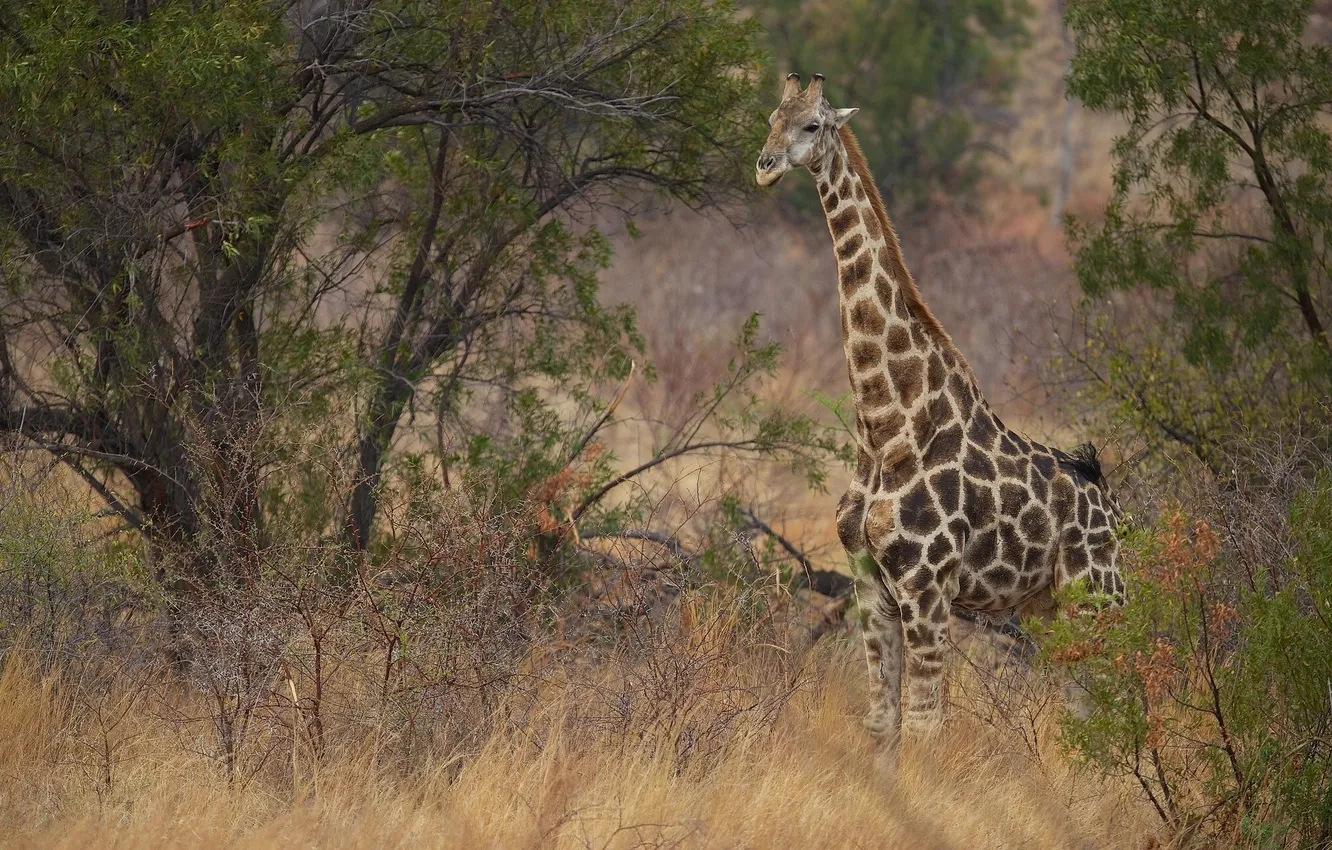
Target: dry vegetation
[(699, 739)]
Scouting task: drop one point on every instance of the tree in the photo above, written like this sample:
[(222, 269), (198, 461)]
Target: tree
[(168, 171), (1222, 206), (925, 73)]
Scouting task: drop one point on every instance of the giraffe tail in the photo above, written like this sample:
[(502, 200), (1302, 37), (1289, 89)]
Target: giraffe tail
[(1083, 462)]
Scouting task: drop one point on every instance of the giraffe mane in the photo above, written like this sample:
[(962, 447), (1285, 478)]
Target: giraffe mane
[(897, 267)]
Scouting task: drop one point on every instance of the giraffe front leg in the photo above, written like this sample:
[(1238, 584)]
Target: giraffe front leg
[(883, 643)]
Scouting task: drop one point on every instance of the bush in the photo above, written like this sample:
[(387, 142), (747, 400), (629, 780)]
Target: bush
[(1212, 687)]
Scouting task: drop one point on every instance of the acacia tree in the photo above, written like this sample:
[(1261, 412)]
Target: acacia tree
[(165, 167), (1222, 206)]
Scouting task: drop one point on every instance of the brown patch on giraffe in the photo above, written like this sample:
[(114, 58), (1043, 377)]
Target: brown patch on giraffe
[(846, 324), (1034, 560), (883, 287), (855, 274), (917, 636), (907, 377), (1012, 499), (849, 248), (843, 221), (1040, 488), (1012, 467), (864, 464), (982, 548), (977, 465), (873, 226), (865, 355), (880, 524), (947, 486), (962, 394), (1010, 544), (960, 530), (922, 578), (1034, 525), (940, 547), (945, 447), (835, 173), (860, 192), (977, 504), (865, 317), (851, 521), (1044, 466), (928, 595), (900, 310), (981, 431), (899, 341), (1000, 577), (941, 410), (917, 508), (935, 376), (885, 427), (874, 392), (1075, 561), (830, 199), (899, 467), (923, 428), (1062, 499)]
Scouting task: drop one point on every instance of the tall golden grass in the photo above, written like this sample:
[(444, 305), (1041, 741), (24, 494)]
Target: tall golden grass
[(787, 766)]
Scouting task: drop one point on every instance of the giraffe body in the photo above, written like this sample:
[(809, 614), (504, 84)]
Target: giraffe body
[(949, 506)]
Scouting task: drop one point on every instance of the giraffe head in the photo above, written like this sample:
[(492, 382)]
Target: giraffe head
[(802, 125)]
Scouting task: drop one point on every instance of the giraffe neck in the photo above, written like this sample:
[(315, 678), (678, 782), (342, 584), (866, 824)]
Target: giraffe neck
[(898, 356)]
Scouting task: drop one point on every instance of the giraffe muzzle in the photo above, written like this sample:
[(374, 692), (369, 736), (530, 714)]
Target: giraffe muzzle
[(770, 168)]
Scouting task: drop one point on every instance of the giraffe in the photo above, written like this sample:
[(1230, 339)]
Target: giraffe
[(948, 507)]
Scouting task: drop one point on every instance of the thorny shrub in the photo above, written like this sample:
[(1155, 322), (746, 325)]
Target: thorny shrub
[(451, 634), (1212, 688)]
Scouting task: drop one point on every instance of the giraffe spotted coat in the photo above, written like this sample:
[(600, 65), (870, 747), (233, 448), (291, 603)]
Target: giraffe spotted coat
[(949, 506)]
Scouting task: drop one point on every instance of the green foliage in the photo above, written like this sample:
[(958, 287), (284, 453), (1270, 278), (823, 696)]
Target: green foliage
[(925, 74), (63, 585), (1210, 687), (242, 220), (555, 466), (1221, 212)]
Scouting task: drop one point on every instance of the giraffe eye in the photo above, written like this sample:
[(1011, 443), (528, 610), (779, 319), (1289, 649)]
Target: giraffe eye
[(812, 128)]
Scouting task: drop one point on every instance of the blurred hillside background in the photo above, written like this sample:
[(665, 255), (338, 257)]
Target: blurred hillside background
[(417, 429)]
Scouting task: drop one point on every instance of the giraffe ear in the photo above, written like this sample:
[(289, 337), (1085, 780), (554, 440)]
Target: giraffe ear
[(844, 115)]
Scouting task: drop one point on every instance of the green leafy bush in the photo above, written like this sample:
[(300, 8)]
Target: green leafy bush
[(1212, 687)]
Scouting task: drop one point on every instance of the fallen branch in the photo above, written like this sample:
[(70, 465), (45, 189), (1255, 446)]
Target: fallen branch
[(828, 582), (666, 541)]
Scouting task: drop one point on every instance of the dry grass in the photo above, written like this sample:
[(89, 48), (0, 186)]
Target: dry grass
[(786, 767)]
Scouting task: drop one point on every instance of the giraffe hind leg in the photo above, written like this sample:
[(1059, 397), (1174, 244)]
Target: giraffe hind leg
[(925, 653)]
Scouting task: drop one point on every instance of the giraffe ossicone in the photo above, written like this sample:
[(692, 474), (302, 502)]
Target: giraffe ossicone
[(948, 505)]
